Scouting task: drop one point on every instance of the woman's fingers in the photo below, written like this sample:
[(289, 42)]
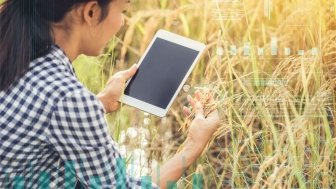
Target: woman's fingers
[(197, 98), (199, 112), (186, 111), (198, 95), (191, 101), (197, 104), (130, 72)]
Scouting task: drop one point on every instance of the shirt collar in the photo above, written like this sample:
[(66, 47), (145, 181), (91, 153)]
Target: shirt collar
[(60, 54)]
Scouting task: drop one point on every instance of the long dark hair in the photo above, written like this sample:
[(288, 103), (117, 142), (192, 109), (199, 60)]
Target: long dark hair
[(25, 32)]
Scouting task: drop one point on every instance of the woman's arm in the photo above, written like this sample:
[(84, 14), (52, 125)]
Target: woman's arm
[(173, 169), (200, 132)]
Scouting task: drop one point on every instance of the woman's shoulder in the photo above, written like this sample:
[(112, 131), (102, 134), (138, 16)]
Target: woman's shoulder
[(52, 76), (55, 62)]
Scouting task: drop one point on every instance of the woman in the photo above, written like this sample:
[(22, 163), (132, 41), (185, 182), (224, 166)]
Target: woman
[(53, 132)]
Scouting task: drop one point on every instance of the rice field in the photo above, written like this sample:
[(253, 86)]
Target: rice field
[(271, 64)]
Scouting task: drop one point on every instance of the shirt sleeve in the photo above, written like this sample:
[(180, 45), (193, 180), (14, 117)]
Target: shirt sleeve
[(78, 132)]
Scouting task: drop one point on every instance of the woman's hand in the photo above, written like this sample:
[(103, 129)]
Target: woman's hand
[(200, 131), (203, 125), (110, 95)]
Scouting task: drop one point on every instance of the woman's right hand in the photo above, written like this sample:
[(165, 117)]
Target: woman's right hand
[(202, 126)]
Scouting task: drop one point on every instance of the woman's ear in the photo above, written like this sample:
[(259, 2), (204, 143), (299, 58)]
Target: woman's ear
[(91, 13)]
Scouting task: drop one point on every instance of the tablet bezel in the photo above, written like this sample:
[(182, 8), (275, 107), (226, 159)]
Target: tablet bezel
[(180, 40)]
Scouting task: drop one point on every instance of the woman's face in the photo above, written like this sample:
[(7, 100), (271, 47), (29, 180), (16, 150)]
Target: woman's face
[(100, 33)]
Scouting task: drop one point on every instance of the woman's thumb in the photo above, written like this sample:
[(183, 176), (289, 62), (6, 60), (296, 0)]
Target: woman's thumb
[(131, 71)]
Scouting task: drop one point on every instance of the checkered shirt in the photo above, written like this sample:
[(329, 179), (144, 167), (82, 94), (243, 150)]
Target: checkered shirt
[(53, 132)]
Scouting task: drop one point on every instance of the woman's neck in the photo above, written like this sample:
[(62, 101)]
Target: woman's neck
[(68, 40)]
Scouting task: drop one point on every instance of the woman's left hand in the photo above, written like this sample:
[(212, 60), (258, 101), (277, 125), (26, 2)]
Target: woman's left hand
[(115, 86)]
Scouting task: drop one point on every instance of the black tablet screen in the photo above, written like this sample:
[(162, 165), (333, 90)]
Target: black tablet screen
[(161, 73)]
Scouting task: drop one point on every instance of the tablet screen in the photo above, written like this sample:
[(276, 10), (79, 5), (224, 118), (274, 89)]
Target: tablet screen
[(161, 72)]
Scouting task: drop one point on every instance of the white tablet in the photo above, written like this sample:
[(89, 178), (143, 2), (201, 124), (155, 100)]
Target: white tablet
[(163, 70)]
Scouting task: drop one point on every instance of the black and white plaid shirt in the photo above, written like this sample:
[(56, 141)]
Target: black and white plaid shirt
[(53, 132)]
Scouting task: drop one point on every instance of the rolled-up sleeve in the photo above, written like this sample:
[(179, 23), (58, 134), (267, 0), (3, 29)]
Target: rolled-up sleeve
[(78, 133)]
